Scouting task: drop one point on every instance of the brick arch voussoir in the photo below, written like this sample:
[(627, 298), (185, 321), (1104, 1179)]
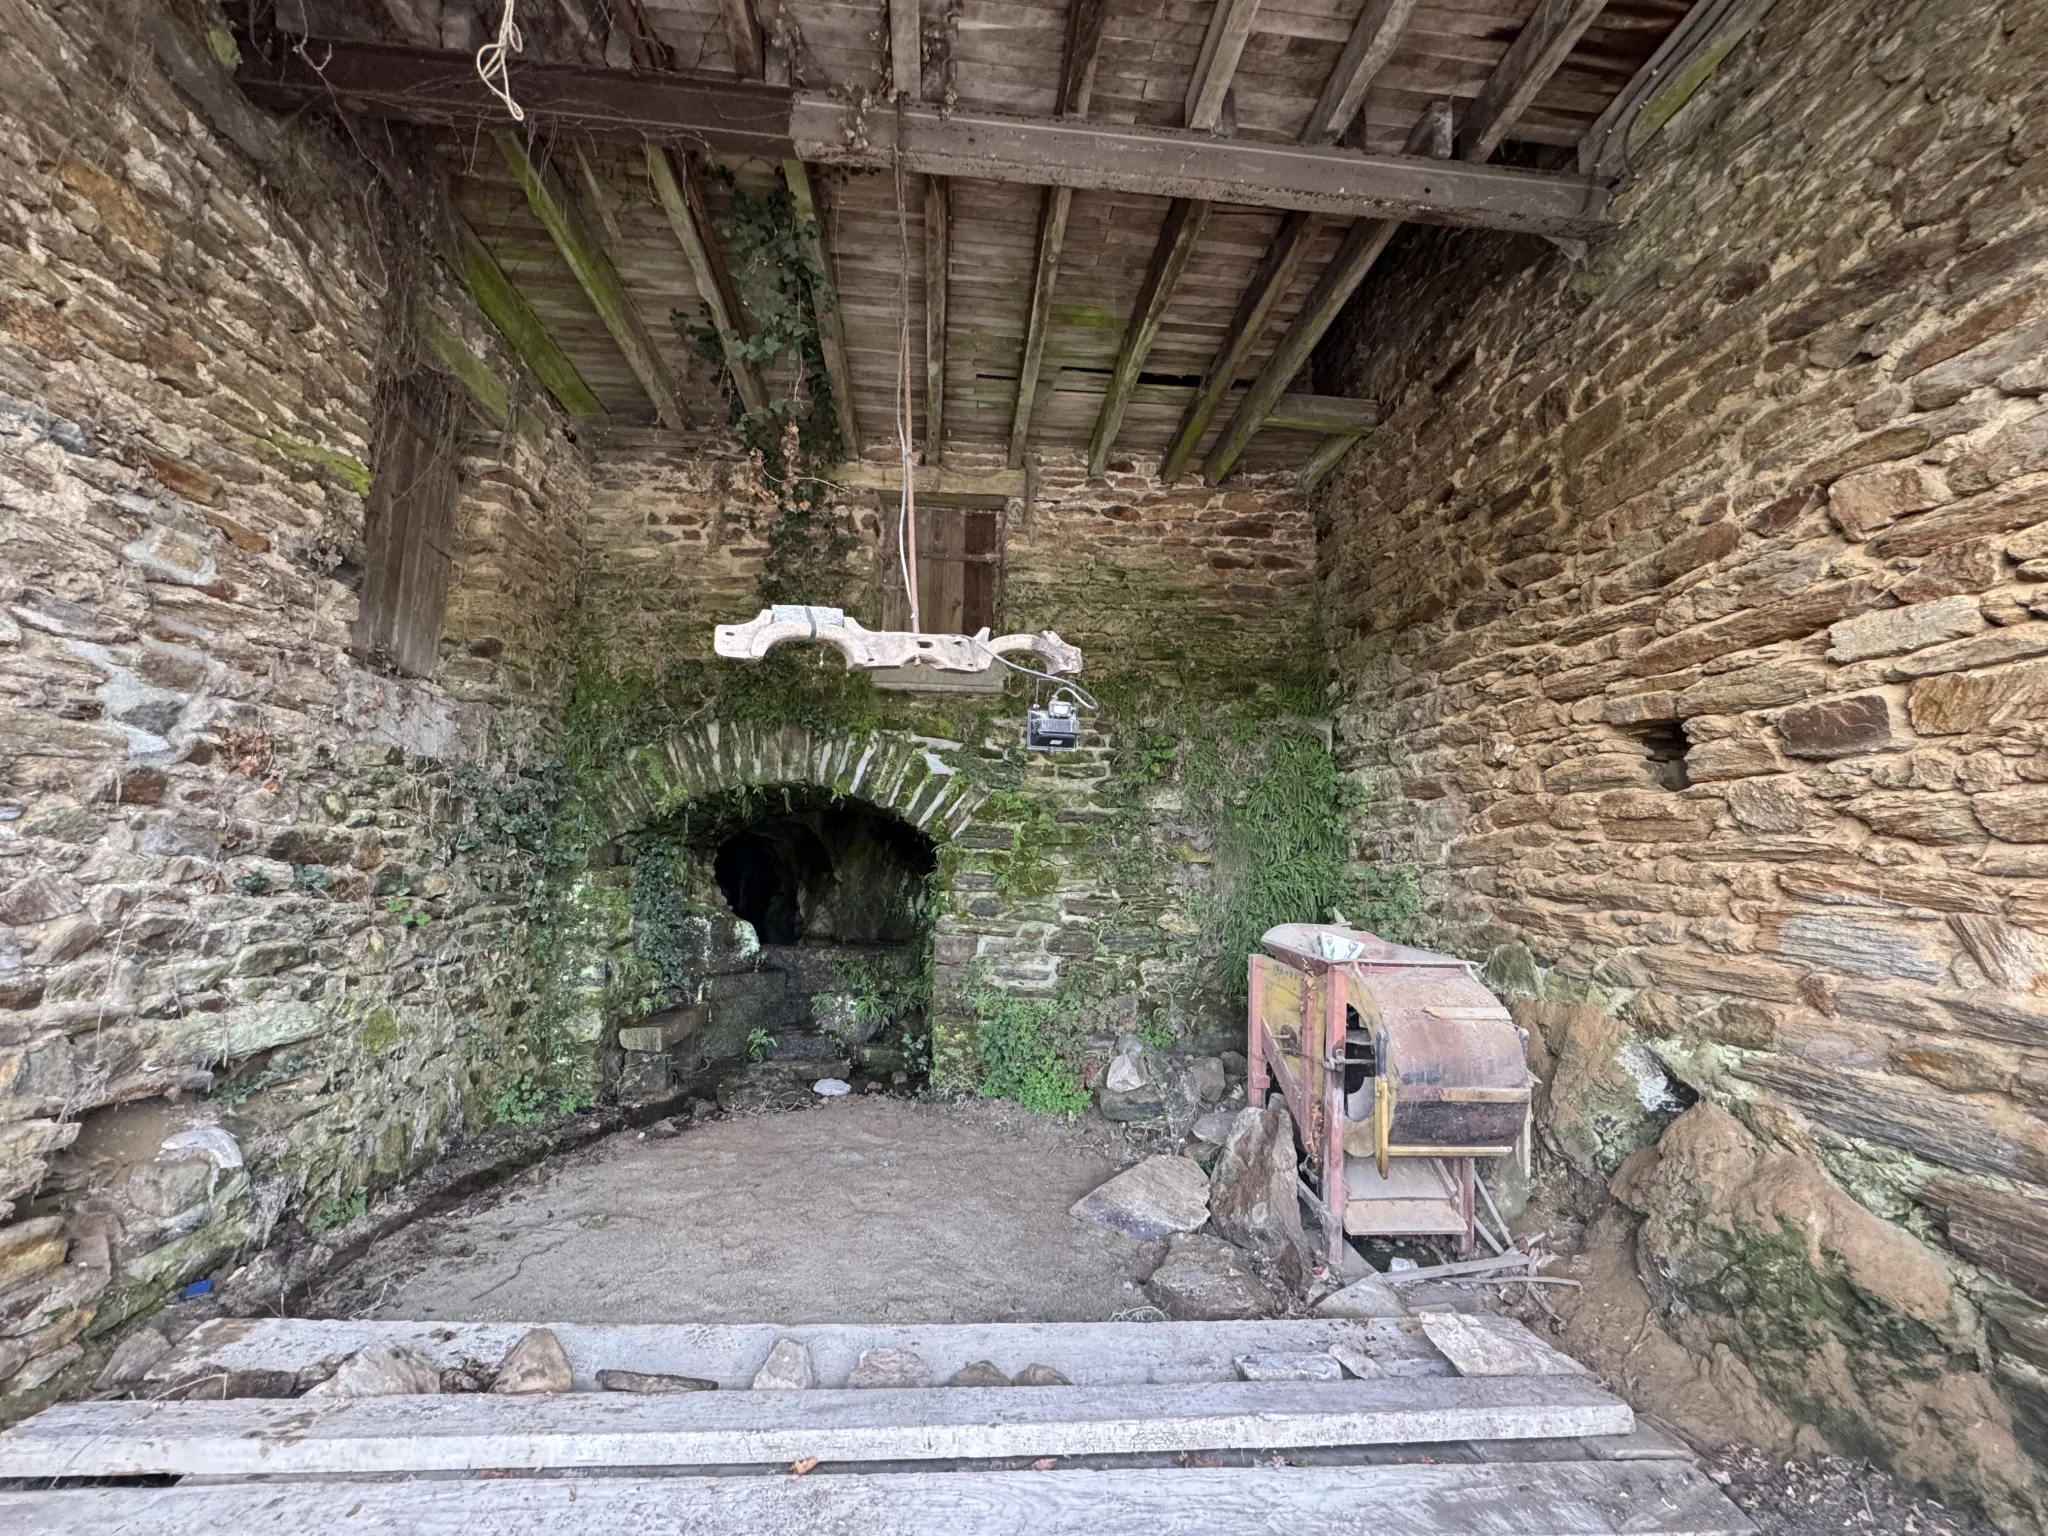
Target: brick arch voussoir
[(890, 770)]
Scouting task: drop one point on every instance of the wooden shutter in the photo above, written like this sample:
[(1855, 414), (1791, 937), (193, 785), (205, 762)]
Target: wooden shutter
[(410, 521), (959, 558)]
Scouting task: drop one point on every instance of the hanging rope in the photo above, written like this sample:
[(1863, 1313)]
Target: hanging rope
[(906, 517), (493, 61)]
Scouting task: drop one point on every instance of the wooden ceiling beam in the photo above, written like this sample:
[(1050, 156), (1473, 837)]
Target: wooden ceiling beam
[(1323, 413), (1276, 274), (746, 117), (1371, 44), (1173, 163), (1681, 65), (506, 308), (1230, 26), (683, 201), (649, 52), (1328, 455), (1177, 237), (1354, 258), (938, 258), (743, 37), (906, 51), (825, 308), (1532, 58), (587, 259), (1077, 84)]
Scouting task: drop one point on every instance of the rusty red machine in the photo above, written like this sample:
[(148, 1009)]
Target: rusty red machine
[(1401, 1071)]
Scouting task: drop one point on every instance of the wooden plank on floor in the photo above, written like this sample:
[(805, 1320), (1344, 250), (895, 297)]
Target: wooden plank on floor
[(472, 1432), (1088, 1354), (1582, 1499)]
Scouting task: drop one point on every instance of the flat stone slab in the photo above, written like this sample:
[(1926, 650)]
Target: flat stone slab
[(1155, 1199)]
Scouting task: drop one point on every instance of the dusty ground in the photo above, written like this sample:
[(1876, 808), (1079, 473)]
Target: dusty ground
[(1829, 1495), (866, 1208)]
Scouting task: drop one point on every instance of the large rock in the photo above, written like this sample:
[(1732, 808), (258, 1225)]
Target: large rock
[(1204, 1279), (889, 1368), (1605, 1095), (537, 1363), (1847, 1322), (788, 1368), (1254, 1198), (1155, 1199)]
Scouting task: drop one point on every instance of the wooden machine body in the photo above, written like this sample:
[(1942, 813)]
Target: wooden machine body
[(1444, 1074)]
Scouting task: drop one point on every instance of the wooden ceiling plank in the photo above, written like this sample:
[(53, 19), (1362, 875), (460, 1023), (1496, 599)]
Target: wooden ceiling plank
[(1361, 248), (743, 37), (686, 216), (1229, 26), (1177, 236), (1532, 58), (906, 54), (938, 240), (1277, 271), (649, 52), (1077, 83), (825, 304), (1371, 44), (599, 279)]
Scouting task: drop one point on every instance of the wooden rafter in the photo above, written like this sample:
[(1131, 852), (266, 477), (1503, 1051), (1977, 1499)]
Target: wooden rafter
[(1371, 44), (906, 52), (594, 272), (825, 303), (1328, 455), (743, 37), (1230, 25), (649, 52), (1277, 271), (938, 256), (1667, 80), (1532, 58), (1183, 227), (682, 200), (1354, 258), (506, 308), (746, 117), (1077, 83)]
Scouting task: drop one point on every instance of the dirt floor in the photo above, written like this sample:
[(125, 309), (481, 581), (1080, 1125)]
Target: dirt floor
[(858, 1209), (888, 1209)]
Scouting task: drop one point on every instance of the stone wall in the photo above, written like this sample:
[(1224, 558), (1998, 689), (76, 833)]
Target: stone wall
[(248, 971), (1690, 608), (1082, 869)]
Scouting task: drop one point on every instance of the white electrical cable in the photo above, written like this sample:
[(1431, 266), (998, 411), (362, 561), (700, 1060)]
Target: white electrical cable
[(493, 61)]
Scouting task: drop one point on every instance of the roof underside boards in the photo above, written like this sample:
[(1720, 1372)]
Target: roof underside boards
[(1003, 56)]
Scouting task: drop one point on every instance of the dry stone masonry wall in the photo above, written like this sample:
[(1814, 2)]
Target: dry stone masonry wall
[(1081, 871), (1692, 605), (247, 972)]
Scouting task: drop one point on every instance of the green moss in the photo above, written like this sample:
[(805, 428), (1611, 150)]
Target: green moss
[(346, 468), (338, 1211), (380, 1030)]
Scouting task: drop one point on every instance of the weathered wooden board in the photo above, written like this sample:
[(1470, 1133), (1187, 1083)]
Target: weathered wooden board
[(1484, 1345), (1088, 1354), (474, 1432), (1583, 1499)]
